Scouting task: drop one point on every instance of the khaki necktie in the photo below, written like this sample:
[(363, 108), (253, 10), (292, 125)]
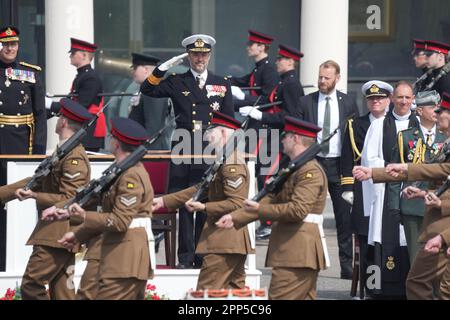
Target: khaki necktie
[(429, 139)]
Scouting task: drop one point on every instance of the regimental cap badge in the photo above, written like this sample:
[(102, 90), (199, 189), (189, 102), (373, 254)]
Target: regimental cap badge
[(390, 264), (374, 89), (199, 43), (9, 32)]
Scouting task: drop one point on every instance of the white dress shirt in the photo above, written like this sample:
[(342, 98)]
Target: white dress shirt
[(426, 132), (335, 142)]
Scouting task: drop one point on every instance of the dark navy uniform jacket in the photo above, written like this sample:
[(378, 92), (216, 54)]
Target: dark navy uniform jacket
[(20, 95), (264, 75), (87, 85), (194, 105), (288, 90)]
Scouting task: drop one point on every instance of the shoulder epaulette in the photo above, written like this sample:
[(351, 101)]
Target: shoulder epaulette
[(31, 66)]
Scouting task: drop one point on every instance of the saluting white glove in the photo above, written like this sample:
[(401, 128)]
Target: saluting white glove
[(237, 93), (250, 111), (1, 46), (172, 62), (48, 103), (348, 197)]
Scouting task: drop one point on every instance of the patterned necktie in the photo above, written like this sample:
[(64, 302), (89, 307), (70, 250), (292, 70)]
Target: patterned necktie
[(326, 126), (199, 82), (429, 139)]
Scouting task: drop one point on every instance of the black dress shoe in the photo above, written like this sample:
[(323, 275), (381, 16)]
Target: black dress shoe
[(183, 266), (263, 232)]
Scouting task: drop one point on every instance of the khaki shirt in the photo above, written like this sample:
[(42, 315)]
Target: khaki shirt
[(293, 243), (435, 220), (124, 252), (226, 193), (69, 174)]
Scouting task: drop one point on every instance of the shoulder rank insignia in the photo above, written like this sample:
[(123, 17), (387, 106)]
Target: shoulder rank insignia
[(235, 184), (74, 162), (308, 175), (31, 66), (128, 202), (186, 93), (130, 185), (72, 176)]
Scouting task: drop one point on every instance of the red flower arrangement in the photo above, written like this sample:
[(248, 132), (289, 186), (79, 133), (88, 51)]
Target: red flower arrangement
[(151, 294)]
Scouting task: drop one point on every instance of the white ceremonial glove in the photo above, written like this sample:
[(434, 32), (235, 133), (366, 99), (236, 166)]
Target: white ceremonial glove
[(250, 111), (1, 46), (48, 103), (134, 100), (348, 197), (172, 62), (237, 93)]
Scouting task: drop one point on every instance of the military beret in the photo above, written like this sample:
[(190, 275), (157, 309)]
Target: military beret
[(74, 111), (199, 43), (376, 88), (144, 60), (427, 98), (9, 34), (300, 127), (128, 131)]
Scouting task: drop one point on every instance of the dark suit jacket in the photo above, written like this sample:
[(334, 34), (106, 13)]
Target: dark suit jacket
[(308, 108)]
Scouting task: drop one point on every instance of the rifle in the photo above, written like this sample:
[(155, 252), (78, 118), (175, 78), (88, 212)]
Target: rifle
[(110, 174), (268, 105), (418, 84), (275, 182), (259, 88), (210, 173), (107, 94), (443, 188), (46, 166)]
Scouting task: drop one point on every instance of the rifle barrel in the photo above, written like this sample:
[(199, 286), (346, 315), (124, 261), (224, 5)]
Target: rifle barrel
[(103, 94)]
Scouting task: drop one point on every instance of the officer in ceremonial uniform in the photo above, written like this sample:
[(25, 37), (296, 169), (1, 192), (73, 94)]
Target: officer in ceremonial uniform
[(288, 91), (264, 74), (150, 112), (23, 124), (225, 250), (417, 145), (126, 262), (377, 95), (297, 249), (85, 87), (50, 263), (195, 95), (437, 57)]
